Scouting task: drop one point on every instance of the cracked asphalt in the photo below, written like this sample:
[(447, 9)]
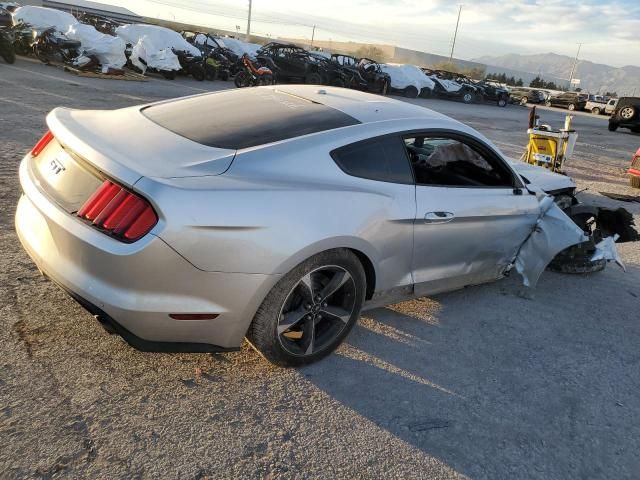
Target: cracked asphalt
[(483, 383)]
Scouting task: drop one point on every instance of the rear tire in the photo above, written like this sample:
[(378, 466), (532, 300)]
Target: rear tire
[(502, 102), (242, 79), (313, 78), (411, 92), (198, 73), (10, 55), (524, 101), (612, 126), (571, 107), (294, 326), (595, 111), (468, 97)]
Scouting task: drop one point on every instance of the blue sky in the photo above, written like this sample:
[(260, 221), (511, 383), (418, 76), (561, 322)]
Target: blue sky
[(608, 29)]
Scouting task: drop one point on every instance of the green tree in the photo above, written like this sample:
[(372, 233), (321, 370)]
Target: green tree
[(519, 83), (537, 83)]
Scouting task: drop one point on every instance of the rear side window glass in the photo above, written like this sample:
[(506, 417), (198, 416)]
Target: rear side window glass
[(382, 159)]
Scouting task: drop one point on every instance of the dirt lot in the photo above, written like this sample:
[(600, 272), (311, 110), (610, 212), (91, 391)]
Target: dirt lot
[(480, 383)]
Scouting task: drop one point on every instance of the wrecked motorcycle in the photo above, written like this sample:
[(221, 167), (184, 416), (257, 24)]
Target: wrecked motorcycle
[(6, 46), (50, 46), (253, 75)]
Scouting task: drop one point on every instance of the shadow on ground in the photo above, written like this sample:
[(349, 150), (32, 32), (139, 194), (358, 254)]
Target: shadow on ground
[(524, 391)]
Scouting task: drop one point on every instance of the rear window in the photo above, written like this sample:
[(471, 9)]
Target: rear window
[(245, 118)]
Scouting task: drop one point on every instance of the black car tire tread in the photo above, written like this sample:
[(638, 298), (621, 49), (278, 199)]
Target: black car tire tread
[(411, 92), (313, 78), (263, 333)]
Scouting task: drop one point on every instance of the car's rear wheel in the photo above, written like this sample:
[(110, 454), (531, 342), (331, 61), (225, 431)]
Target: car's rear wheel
[(411, 92), (613, 126), (467, 97), (571, 106), (242, 79), (310, 310), (502, 102), (595, 111), (524, 101)]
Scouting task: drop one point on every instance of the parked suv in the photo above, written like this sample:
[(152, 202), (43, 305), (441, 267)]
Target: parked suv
[(568, 100), (626, 115), (291, 63), (525, 95)]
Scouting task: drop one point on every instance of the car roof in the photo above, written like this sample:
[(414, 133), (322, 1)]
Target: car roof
[(364, 107)]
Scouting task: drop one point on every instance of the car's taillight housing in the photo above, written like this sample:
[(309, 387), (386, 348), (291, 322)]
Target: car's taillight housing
[(42, 144), (118, 212)]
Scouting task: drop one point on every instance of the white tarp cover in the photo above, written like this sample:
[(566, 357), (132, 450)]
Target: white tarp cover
[(153, 44), (108, 49), (240, 48), (554, 231), (404, 75), (41, 18)]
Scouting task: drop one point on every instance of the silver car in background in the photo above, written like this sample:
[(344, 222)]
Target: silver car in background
[(274, 213)]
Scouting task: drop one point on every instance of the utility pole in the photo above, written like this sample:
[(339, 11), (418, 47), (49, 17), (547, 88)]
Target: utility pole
[(455, 34), (249, 23), (313, 34), (575, 64)]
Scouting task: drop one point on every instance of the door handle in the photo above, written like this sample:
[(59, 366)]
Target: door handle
[(438, 217)]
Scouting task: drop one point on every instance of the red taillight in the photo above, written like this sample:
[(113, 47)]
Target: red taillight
[(123, 214), (42, 143)]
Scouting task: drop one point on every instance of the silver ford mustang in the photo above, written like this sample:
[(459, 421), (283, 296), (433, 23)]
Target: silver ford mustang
[(274, 213)]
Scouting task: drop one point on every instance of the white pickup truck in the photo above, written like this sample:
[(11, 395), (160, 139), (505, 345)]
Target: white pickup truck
[(598, 108)]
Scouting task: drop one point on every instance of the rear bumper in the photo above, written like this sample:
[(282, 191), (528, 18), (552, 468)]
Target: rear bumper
[(134, 287)]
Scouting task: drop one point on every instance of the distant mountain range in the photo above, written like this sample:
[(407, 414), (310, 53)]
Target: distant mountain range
[(594, 77)]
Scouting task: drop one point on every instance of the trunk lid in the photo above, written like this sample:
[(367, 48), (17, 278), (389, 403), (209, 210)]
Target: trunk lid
[(125, 145)]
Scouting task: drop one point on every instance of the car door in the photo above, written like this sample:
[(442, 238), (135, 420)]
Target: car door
[(472, 211)]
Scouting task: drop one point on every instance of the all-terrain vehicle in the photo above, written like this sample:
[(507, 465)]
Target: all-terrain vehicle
[(51, 46), (626, 115), (291, 63), (213, 47), (364, 74), (447, 85), (253, 74), (191, 64), (492, 91)]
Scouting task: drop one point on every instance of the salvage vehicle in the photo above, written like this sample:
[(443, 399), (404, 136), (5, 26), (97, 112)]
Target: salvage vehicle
[(212, 46), (492, 91), (595, 106), (51, 46), (6, 45), (253, 75), (363, 74), (334, 74), (191, 64), (408, 80), (523, 95), (448, 86), (610, 106), (568, 100), (279, 218), (626, 115), (291, 63)]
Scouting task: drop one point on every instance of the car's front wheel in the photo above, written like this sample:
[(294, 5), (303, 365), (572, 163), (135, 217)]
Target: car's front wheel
[(310, 311)]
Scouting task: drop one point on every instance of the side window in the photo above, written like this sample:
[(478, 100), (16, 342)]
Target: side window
[(449, 162), (381, 159)]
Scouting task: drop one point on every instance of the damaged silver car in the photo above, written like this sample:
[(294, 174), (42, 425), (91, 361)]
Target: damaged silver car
[(278, 218)]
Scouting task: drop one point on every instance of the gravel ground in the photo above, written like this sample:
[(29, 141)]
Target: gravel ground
[(479, 383)]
